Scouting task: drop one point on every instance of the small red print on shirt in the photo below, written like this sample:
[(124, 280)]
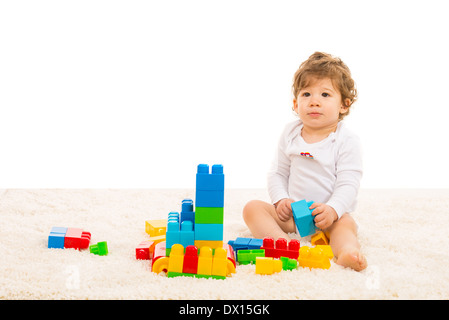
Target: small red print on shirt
[(307, 155)]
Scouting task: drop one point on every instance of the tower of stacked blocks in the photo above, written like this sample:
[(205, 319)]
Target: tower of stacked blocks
[(202, 226), (209, 201)]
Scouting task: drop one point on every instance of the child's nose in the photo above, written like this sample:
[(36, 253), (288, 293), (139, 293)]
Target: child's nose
[(314, 102)]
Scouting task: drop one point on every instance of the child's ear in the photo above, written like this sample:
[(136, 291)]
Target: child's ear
[(345, 105), (295, 106)]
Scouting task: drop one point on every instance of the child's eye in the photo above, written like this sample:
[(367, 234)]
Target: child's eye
[(324, 94), (306, 94)]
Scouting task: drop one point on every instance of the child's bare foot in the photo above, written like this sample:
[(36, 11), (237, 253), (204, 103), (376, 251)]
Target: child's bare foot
[(352, 258)]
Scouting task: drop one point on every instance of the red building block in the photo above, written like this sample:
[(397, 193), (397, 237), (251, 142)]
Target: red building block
[(190, 264), (281, 249), (77, 239), (145, 250), (230, 252)]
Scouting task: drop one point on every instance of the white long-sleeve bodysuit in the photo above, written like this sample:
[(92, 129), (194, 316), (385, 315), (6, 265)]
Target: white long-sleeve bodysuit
[(328, 171)]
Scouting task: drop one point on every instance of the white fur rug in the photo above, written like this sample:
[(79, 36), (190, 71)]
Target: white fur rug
[(404, 234)]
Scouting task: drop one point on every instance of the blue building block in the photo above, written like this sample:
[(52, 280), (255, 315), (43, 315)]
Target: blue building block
[(255, 244), (209, 231), (303, 218), (187, 212), (209, 181), (172, 235), (209, 198), (56, 237), (245, 243), (187, 235)]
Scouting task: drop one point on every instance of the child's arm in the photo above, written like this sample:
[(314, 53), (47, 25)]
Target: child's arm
[(277, 178), (349, 174)]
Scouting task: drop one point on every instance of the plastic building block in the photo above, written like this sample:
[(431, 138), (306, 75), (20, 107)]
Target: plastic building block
[(65, 238), (288, 264), (319, 238), (204, 265), (303, 217), (157, 239), (190, 264), (209, 215), (208, 231), (187, 213), (156, 227), (76, 238), (209, 190), (267, 265), (281, 249), (205, 261), (173, 235), (314, 258), (209, 198), (249, 256), (210, 181), (159, 252), (145, 250), (56, 237), (176, 258), (230, 252), (160, 265), (209, 243), (220, 263), (245, 243), (187, 236), (101, 248), (327, 250)]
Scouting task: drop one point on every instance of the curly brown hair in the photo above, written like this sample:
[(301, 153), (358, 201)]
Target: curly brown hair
[(323, 65)]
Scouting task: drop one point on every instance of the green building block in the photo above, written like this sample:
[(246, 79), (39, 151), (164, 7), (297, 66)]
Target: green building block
[(288, 264), (101, 248), (249, 256), (208, 215)]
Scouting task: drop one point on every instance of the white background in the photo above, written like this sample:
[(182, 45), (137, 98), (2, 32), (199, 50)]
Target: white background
[(135, 94)]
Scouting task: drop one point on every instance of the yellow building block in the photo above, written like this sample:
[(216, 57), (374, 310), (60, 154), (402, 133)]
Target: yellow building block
[(208, 243), (268, 265), (219, 262), (156, 227), (327, 250), (161, 264), (313, 258), (230, 268), (157, 239), (176, 260), (319, 238), (205, 261)]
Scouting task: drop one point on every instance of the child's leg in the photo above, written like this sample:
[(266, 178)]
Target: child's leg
[(263, 221), (344, 243)]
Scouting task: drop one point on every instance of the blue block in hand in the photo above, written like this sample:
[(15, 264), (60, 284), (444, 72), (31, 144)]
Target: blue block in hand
[(303, 218)]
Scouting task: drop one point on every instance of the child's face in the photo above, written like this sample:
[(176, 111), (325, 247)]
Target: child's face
[(319, 104)]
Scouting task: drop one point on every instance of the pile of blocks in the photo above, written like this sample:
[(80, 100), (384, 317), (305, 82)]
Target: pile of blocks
[(271, 256), (195, 230), (202, 226), (193, 262)]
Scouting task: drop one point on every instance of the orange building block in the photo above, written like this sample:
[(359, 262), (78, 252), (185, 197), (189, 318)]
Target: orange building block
[(319, 238), (317, 257)]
